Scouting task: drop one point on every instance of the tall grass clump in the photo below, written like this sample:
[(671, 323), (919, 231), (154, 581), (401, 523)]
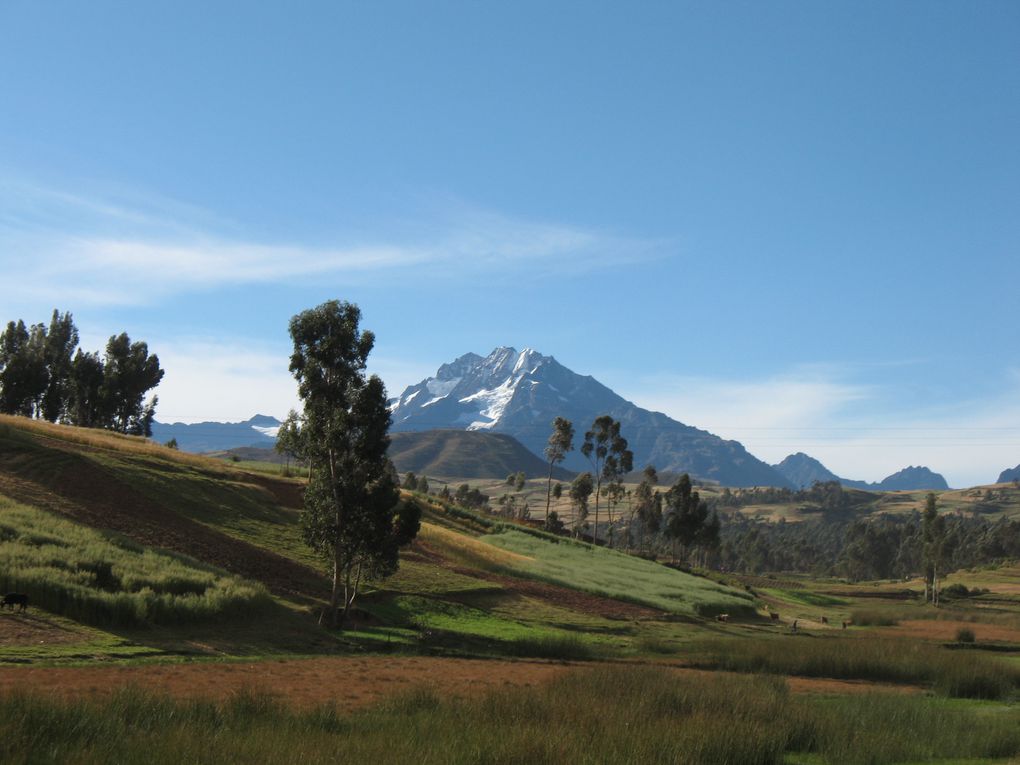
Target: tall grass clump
[(106, 580), (602, 715), (563, 647), (959, 674), (871, 617)]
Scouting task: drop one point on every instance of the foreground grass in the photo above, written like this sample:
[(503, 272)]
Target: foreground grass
[(605, 715), (107, 580), (950, 673), (617, 575)]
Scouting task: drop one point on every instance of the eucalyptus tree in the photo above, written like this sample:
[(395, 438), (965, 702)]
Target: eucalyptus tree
[(609, 456), (59, 346), (580, 491), (561, 442), (352, 514)]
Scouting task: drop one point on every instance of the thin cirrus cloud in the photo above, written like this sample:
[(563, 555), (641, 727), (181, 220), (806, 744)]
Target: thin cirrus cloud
[(66, 247), (858, 431)]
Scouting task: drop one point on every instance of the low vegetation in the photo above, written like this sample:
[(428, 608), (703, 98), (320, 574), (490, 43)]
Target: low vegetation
[(107, 580), (656, 718), (950, 673)]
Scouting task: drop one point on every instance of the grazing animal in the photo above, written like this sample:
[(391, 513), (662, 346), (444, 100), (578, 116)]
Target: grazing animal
[(794, 625), (722, 617), (774, 616), (13, 599), (844, 624), (825, 620)]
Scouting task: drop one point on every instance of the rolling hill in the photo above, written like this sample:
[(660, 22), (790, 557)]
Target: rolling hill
[(467, 454), (462, 586)]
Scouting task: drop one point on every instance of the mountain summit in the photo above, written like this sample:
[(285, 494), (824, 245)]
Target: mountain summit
[(803, 471), (520, 393)]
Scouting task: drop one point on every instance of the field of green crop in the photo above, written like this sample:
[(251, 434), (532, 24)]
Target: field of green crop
[(617, 575), (103, 579)]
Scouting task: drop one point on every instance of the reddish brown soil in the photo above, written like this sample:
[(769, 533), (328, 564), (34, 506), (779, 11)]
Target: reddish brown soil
[(349, 682), (85, 492), (28, 629), (933, 629)]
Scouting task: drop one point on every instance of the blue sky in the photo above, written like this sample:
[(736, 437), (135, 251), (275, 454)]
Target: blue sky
[(794, 224)]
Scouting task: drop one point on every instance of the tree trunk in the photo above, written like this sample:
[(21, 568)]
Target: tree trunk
[(548, 491), (334, 596), (595, 528)]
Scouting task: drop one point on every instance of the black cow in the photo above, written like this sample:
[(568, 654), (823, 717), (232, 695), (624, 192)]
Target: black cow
[(13, 599)]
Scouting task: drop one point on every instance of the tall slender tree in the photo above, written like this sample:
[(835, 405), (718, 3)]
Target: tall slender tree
[(647, 504), (609, 456), (580, 491), (352, 515), (561, 442), (129, 372), (60, 344)]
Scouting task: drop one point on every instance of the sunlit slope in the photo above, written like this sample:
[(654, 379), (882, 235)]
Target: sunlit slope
[(241, 522)]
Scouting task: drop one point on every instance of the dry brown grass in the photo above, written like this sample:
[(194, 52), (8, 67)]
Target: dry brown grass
[(465, 549), (96, 438)]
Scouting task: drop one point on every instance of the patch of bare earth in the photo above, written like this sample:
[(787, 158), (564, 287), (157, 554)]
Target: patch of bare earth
[(348, 682), (822, 685), (938, 629), (26, 629)]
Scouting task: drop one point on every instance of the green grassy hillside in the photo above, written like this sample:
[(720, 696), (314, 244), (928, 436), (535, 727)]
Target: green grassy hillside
[(461, 588)]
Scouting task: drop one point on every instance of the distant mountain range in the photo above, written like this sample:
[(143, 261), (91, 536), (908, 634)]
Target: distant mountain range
[(802, 471), (520, 393), (259, 431), (1006, 476)]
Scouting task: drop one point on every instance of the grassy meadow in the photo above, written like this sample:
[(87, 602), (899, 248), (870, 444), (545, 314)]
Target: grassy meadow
[(605, 715)]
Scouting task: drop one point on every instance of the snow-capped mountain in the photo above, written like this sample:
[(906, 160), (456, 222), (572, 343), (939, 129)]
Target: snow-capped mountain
[(520, 393), (260, 430)]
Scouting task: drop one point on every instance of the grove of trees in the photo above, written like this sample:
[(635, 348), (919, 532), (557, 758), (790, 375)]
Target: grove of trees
[(45, 375)]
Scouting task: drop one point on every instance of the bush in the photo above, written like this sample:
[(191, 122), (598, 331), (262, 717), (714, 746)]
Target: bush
[(965, 635)]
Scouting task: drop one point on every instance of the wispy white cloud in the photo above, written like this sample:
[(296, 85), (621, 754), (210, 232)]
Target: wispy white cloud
[(850, 427), (65, 247)]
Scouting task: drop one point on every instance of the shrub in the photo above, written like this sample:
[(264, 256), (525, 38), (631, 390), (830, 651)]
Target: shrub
[(965, 635)]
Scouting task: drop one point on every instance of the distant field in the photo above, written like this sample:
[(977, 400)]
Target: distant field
[(617, 575)]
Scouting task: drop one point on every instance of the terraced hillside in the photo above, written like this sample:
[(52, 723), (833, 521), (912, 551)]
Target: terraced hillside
[(460, 587)]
